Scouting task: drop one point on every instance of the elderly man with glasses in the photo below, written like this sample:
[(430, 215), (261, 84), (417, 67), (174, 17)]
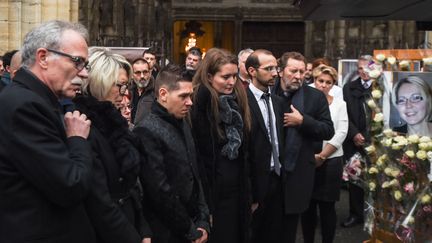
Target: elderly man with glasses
[(45, 165)]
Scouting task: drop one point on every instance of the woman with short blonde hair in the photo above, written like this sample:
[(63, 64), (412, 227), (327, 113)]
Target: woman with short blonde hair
[(114, 202), (105, 68)]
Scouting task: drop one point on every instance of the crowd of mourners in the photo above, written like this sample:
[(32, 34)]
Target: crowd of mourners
[(224, 148)]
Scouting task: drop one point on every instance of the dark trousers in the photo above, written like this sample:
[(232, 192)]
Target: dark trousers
[(226, 220), (356, 201), (327, 214), (290, 227), (267, 220)]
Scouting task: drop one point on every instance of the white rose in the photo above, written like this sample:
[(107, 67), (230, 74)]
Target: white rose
[(380, 57), (404, 63), (388, 171), (401, 140), (429, 146), (397, 195), (373, 170), (385, 185), (371, 104), (396, 146), (421, 154), (374, 73), (395, 172), (376, 94), (391, 60), (387, 142), (370, 149), (388, 133), (379, 117), (394, 182), (426, 199), (372, 186), (410, 154), (423, 146), (425, 139), (413, 138)]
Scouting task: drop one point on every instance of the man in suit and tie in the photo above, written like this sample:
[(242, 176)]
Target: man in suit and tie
[(356, 94), (266, 144), (306, 120)]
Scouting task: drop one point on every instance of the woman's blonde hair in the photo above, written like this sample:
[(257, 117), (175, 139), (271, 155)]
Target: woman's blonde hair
[(324, 69), (105, 66), (421, 84)]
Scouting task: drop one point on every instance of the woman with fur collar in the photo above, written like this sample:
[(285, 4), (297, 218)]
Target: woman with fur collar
[(114, 202)]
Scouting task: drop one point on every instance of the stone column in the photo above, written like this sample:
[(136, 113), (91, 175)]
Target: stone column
[(31, 15), (309, 28), (14, 25), (340, 39)]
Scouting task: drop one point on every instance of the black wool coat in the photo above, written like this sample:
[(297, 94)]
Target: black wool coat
[(114, 202), (170, 178), (355, 96), (221, 176), (316, 127), (44, 176)]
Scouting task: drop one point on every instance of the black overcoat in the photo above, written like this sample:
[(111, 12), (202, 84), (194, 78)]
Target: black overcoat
[(44, 176), (114, 201), (317, 126), (355, 95)]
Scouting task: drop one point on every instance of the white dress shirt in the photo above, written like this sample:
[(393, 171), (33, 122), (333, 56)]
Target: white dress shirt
[(264, 112)]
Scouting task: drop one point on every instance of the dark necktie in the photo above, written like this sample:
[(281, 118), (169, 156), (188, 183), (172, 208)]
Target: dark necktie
[(266, 97)]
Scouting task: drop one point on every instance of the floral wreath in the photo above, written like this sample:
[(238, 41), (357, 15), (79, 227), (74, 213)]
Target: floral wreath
[(397, 180)]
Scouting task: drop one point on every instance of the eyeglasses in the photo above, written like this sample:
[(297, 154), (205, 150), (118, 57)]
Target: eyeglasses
[(270, 68), (141, 72), (122, 88), (80, 62), (415, 98)]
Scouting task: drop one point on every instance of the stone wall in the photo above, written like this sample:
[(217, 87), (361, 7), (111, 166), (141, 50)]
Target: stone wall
[(17, 17), (150, 23)]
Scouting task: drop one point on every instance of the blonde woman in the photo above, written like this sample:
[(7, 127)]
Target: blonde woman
[(412, 97), (113, 205), (328, 173)]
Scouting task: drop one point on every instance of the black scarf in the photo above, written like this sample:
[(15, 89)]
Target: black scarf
[(233, 125), (293, 138)]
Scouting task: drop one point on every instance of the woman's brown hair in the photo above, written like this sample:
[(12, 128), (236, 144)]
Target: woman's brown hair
[(214, 59)]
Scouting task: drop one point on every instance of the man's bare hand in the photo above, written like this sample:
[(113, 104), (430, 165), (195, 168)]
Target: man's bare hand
[(359, 140), (77, 124), (254, 207), (146, 240), (318, 161), (203, 238), (294, 118)]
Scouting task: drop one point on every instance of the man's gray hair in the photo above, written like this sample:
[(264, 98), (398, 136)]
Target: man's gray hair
[(47, 35), (244, 51)]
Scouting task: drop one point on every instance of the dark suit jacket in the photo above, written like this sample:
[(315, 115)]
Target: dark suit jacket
[(260, 148), (355, 95), (317, 126), (44, 176)]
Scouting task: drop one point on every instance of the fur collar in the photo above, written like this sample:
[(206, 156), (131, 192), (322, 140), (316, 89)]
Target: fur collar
[(113, 127)]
